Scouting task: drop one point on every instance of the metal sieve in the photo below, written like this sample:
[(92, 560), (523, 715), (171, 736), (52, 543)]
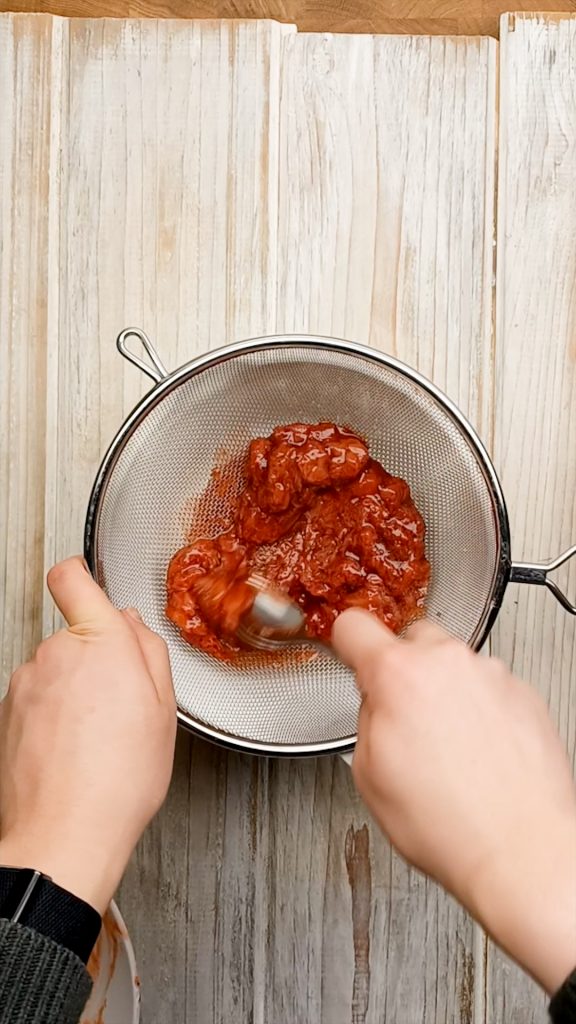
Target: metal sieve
[(164, 454)]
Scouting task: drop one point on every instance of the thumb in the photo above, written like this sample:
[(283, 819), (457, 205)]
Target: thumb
[(358, 637), (78, 596)]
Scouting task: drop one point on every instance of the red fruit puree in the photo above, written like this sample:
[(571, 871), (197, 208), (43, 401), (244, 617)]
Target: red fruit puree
[(320, 519)]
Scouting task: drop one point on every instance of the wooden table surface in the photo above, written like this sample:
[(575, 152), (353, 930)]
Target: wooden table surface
[(212, 181), (427, 16), (434, 17)]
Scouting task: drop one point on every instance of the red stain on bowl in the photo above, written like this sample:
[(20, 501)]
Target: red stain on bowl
[(102, 962)]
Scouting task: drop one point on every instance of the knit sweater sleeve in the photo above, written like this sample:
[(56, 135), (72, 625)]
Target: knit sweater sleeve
[(40, 981)]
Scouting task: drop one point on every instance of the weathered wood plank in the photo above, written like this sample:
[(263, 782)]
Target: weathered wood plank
[(168, 195), (387, 196), (347, 919), (536, 380), (26, 83), (386, 221), (262, 891), (168, 204)]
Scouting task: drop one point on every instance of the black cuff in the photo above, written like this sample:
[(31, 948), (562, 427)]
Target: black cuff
[(563, 1005), (49, 910)]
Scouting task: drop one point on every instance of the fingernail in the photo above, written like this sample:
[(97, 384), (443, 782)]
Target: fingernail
[(134, 614)]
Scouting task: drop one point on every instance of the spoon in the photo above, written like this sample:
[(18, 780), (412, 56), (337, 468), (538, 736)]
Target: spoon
[(275, 621)]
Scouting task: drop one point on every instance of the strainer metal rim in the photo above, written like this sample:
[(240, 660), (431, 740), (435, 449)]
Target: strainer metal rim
[(166, 384)]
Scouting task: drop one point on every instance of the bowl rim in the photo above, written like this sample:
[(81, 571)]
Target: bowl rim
[(128, 950)]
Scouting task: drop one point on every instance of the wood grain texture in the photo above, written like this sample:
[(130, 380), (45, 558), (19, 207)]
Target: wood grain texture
[(354, 936), (25, 125), (167, 190), (536, 380), (166, 196), (387, 163), (213, 181), (279, 927), (419, 17)]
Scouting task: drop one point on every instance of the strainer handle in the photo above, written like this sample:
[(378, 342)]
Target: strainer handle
[(538, 574), (157, 371)]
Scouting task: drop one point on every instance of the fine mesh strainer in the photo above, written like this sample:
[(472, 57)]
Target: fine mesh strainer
[(163, 456)]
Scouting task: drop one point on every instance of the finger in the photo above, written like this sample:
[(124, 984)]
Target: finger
[(155, 654), (361, 757), (78, 596), (364, 719), (425, 632), (357, 636)]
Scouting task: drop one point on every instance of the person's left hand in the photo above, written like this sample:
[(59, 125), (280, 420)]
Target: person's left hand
[(87, 733)]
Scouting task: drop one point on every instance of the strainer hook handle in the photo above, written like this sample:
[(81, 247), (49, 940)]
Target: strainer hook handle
[(155, 368), (538, 574)]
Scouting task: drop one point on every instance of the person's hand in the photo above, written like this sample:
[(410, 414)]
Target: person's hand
[(87, 733), (464, 771)]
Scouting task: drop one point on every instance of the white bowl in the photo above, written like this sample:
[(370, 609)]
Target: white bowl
[(115, 998)]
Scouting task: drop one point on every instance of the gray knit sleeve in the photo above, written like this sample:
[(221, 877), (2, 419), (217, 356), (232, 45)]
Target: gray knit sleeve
[(40, 981)]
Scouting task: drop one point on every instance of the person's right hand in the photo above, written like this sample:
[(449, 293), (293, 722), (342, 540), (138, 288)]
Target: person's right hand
[(464, 771), (87, 734)]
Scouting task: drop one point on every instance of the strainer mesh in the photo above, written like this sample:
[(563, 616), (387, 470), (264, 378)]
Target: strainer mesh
[(167, 462)]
